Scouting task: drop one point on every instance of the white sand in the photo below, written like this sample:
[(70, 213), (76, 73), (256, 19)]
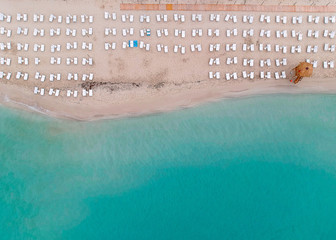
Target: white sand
[(139, 82)]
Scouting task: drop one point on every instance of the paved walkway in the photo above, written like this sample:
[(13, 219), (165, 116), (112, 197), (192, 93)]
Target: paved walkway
[(228, 7)]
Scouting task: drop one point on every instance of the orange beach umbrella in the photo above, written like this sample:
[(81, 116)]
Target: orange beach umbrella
[(302, 70)]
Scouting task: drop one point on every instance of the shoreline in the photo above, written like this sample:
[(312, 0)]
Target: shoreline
[(169, 73), (165, 100)]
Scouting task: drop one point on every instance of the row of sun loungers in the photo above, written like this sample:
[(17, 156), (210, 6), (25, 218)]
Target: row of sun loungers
[(57, 92), (247, 75), (43, 77), (53, 61), (41, 32), (194, 32), (217, 17), (212, 47), (23, 17)]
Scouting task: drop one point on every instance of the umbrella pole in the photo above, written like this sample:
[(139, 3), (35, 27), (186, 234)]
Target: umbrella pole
[(298, 79)]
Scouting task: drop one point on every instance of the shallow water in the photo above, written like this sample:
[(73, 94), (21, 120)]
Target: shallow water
[(253, 168)]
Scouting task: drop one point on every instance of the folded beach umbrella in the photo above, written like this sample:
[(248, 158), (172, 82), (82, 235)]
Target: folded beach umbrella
[(302, 70)]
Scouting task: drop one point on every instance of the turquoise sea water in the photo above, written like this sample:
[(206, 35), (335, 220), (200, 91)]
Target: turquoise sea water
[(254, 168)]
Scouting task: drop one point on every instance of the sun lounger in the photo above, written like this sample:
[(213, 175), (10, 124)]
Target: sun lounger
[(52, 17), (110, 45), (8, 75), (192, 47), (51, 91), (18, 75), (36, 90)]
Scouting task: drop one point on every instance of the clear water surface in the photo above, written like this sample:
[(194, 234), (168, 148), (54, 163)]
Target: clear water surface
[(253, 168)]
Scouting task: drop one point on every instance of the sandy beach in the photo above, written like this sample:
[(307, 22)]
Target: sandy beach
[(133, 81)]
